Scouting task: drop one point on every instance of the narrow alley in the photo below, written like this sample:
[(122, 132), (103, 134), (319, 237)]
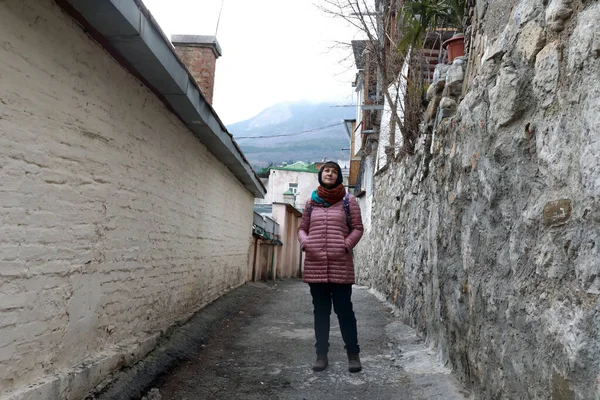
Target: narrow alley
[(257, 343), (170, 169)]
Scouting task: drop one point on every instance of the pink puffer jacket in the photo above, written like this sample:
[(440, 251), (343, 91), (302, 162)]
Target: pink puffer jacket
[(328, 243)]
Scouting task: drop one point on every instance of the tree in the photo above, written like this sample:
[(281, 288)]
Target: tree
[(397, 33), (378, 21)]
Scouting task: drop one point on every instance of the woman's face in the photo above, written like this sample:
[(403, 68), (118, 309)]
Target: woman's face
[(329, 176)]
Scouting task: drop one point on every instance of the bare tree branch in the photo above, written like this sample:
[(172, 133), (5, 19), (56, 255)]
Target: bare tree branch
[(382, 23)]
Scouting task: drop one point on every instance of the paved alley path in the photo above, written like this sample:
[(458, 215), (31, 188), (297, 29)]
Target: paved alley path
[(264, 350), (257, 342)]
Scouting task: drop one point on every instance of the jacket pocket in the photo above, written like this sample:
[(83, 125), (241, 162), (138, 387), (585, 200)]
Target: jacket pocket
[(305, 244)]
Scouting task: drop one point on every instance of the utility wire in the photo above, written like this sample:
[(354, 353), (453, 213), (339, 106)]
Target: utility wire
[(289, 134), (219, 19)]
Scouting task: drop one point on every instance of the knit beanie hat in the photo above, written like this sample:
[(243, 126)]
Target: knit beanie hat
[(330, 164)]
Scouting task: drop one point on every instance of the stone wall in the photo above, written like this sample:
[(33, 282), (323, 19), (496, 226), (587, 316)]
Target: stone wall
[(115, 221), (489, 245)]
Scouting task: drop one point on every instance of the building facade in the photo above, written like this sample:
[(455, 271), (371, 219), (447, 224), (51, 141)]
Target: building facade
[(293, 183)]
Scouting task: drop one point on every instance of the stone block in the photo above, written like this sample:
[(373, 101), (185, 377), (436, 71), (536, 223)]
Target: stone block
[(561, 388), (589, 158), (448, 107), (448, 103), (439, 73), (531, 41), (462, 60), (594, 288), (557, 13), (432, 108), (431, 91), (546, 74), (557, 213), (527, 11), (507, 100), (584, 43), (596, 43), (482, 6), (500, 37), (497, 17), (454, 80)]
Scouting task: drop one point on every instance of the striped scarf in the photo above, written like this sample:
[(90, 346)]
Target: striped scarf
[(328, 197)]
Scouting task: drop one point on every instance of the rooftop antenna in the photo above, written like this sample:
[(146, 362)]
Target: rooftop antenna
[(219, 19)]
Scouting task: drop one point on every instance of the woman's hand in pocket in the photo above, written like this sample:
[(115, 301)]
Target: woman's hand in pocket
[(305, 244)]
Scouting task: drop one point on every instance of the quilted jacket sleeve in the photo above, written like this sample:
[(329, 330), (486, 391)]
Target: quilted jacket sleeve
[(304, 227), (355, 222)]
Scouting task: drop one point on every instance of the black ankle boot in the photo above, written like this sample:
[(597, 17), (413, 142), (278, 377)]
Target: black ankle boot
[(354, 363), (321, 362)]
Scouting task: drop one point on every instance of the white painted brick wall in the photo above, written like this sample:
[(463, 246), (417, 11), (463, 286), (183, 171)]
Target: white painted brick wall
[(114, 219)]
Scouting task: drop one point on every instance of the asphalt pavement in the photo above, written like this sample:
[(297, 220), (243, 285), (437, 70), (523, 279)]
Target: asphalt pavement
[(257, 342)]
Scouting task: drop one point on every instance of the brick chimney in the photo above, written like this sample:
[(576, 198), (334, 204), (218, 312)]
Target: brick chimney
[(199, 54)]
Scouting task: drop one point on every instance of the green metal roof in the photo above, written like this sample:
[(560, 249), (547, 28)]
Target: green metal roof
[(288, 192), (298, 166)]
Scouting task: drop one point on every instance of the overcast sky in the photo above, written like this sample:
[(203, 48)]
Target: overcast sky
[(273, 51)]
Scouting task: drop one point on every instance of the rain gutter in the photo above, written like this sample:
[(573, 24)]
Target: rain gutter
[(127, 30)]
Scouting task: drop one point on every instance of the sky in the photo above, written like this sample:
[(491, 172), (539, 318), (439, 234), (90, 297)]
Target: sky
[(273, 51)]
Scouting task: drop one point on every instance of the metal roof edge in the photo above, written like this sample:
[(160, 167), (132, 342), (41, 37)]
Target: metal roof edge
[(290, 208), (348, 125), (293, 170), (127, 30)]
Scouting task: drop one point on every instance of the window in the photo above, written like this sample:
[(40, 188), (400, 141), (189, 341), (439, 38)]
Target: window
[(293, 187)]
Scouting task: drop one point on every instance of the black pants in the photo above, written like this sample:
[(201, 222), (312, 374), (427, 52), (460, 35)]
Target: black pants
[(322, 296)]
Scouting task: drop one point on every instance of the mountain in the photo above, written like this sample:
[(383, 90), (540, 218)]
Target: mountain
[(294, 131)]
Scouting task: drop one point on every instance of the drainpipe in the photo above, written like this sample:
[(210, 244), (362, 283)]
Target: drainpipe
[(300, 259), (273, 272), (254, 261)]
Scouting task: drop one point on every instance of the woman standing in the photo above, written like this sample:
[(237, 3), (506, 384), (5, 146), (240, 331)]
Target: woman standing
[(331, 226)]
